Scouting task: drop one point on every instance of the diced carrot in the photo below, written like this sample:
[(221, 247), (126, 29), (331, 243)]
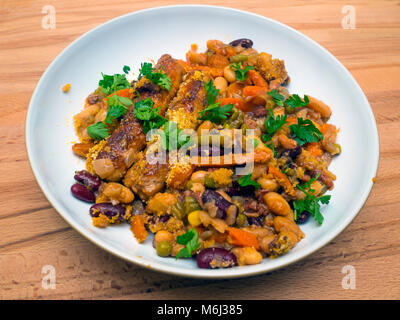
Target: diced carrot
[(257, 79), (282, 180), (138, 228), (243, 238), (254, 91), (315, 149), (237, 103)]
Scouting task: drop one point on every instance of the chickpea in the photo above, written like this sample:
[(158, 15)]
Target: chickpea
[(276, 203), (198, 176), (247, 255), (268, 184), (115, 193), (163, 235), (221, 84), (229, 74), (265, 243)]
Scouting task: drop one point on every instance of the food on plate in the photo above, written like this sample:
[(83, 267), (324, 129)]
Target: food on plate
[(211, 154)]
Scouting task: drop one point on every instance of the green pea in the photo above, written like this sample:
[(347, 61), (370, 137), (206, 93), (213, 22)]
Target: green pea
[(164, 248)]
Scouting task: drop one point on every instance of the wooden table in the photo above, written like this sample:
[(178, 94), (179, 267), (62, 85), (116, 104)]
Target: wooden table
[(34, 235)]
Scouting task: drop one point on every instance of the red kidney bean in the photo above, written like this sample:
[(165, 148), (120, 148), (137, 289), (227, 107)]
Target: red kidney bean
[(219, 201), (82, 193), (220, 258), (303, 217), (89, 180), (108, 209), (245, 43)]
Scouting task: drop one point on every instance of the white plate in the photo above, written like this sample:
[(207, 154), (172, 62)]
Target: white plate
[(144, 35)]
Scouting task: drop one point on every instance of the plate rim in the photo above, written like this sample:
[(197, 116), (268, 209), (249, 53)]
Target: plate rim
[(238, 272)]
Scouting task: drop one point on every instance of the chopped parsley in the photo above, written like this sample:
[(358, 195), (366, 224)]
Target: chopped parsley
[(158, 78), (110, 84), (98, 131), (214, 112), (126, 69), (174, 137), (117, 106), (277, 97), (190, 240), (311, 203), (241, 74), (305, 131), (247, 181), (295, 101), (144, 110), (272, 125)]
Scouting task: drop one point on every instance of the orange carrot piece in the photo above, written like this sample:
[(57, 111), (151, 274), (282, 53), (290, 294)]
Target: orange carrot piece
[(138, 228), (257, 79), (243, 238), (314, 149), (282, 180), (254, 91), (237, 103)]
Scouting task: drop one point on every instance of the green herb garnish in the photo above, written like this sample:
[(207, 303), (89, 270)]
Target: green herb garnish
[(110, 84), (158, 78), (144, 110), (305, 131), (214, 112), (241, 74), (295, 101), (277, 97), (272, 125), (311, 203), (126, 69), (98, 131), (174, 137), (246, 181), (190, 240)]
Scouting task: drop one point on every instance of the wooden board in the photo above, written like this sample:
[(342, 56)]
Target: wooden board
[(34, 235)]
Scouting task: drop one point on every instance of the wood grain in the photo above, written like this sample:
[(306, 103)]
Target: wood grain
[(34, 235)]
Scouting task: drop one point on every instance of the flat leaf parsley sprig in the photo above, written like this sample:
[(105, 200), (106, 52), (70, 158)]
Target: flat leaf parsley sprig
[(158, 78), (240, 73), (311, 203), (214, 112), (190, 240), (117, 105)]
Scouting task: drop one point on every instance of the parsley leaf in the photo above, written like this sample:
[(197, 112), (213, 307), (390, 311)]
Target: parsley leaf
[(174, 137), (241, 74), (311, 203), (110, 84), (272, 125), (158, 78), (211, 92), (190, 240), (305, 131), (246, 181), (98, 131), (295, 101), (115, 112), (214, 112), (277, 97), (151, 118), (126, 69)]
